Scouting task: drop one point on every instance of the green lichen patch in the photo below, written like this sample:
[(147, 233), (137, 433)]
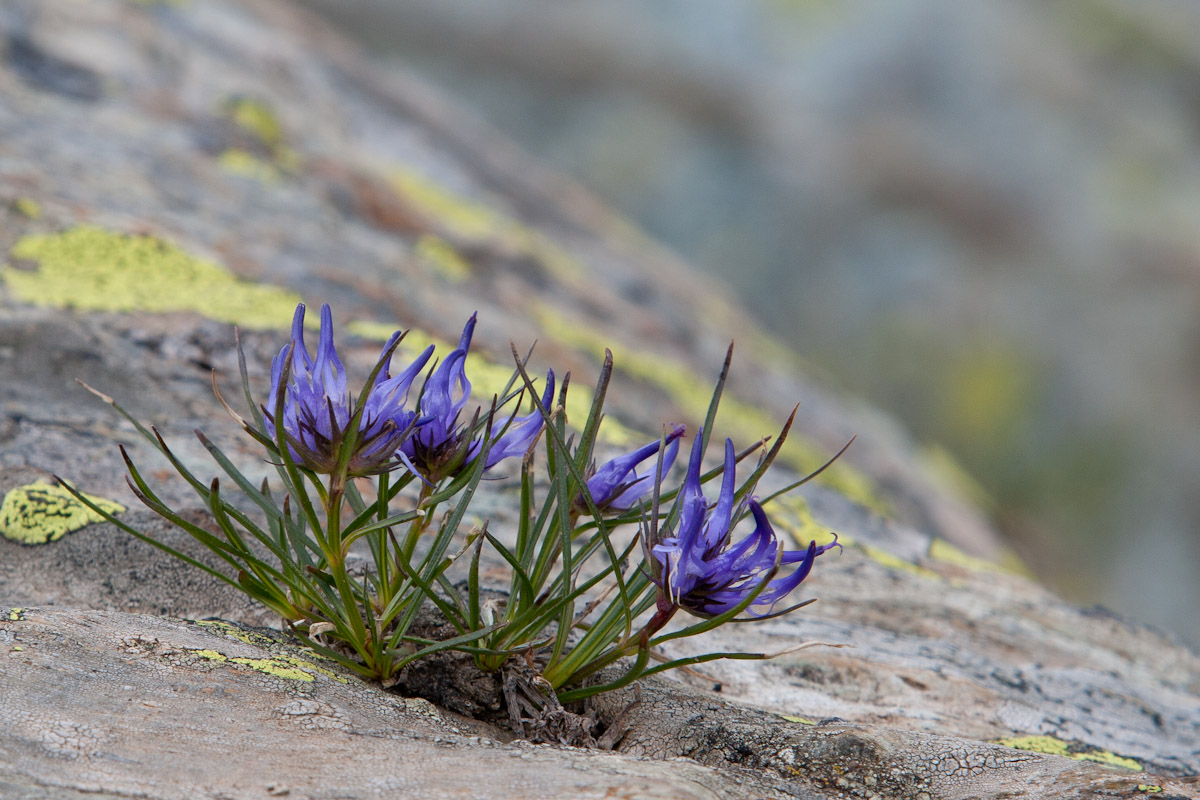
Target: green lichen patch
[(1078, 751), (691, 391), (443, 259), (460, 217), (256, 118), (792, 514), (274, 666), (942, 551), (245, 164), (895, 563), (1149, 788), (234, 632), (38, 513), (12, 614), (463, 219), (310, 667), (800, 720), (28, 207), (282, 661), (277, 667), (94, 269)]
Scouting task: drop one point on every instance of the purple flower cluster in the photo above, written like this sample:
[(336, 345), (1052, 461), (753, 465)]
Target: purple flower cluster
[(696, 566), (320, 423), (699, 570), (317, 408), (617, 486), (443, 443)]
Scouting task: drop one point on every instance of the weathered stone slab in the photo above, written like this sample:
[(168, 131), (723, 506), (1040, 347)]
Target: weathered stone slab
[(168, 170), (120, 705)]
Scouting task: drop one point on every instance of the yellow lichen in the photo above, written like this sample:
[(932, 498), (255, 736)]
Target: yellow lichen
[(941, 550), (441, 256), (14, 614), (279, 667), (1052, 745), (382, 331), (801, 720), (894, 562), (282, 661), (1149, 788), (792, 514), (38, 513), (233, 631), (612, 432), (311, 667), (255, 117), (468, 220), (94, 269), (691, 392), (245, 164), (460, 217), (556, 260), (1009, 563), (274, 666), (28, 207)]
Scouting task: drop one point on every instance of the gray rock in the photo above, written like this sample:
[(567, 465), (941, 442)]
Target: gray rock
[(244, 134)]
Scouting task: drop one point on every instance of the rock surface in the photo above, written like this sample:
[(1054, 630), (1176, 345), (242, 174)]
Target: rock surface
[(169, 169)]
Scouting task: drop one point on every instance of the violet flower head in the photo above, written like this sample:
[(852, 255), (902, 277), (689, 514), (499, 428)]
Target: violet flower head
[(444, 443), (318, 411), (617, 486), (699, 570)]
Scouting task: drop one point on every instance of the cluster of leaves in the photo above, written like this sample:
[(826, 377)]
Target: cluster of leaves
[(576, 602)]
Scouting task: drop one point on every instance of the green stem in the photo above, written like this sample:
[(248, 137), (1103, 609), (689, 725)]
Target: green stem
[(333, 521), (384, 581), (417, 527), (583, 661), (336, 557)]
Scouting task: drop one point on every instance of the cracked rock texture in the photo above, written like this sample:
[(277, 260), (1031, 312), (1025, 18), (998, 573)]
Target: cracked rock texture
[(167, 169)]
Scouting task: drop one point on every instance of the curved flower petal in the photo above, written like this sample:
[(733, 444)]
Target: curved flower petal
[(521, 431), (700, 571), (617, 485), (716, 529), (443, 444), (317, 408)]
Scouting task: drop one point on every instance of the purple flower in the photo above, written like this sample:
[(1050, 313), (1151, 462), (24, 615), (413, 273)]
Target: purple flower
[(317, 408), (444, 444), (699, 570), (617, 486)]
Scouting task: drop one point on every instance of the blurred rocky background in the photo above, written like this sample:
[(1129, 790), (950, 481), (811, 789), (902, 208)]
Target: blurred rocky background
[(982, 216)]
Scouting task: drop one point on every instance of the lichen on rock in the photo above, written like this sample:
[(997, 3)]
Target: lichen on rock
[(38, 513), (95, 269)]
